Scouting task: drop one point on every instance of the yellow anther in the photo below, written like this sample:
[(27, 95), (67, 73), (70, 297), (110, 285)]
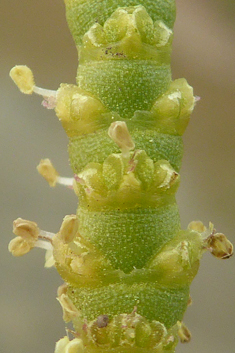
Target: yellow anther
[(28, 237), (61, 345), (198, 226), (25, 229), (69, 310), (119, 133), (69, 228), (19, 247), (47, 170), (184, 333), (62, 289), (75, 346), (23, 78)]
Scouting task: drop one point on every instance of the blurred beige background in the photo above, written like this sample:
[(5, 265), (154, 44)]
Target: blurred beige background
[(35, 33)]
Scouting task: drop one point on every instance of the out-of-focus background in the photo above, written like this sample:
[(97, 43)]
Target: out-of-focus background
[(35, 33)]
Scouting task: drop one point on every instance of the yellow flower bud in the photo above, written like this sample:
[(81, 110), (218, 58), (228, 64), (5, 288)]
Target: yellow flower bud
[(46, 169), (19, 246), (23, 78)]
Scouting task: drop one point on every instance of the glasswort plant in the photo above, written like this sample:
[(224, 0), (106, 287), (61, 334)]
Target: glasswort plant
[(126, 263)]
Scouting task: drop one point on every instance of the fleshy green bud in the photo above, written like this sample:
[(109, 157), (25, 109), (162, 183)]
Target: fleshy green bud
[(113, 169), (143, 333), (144, 169)]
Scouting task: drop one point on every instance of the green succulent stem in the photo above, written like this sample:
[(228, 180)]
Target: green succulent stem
[(126, 262)]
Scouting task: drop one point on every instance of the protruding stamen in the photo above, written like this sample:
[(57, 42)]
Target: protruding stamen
[(25, 229), (28, 236), (62, 289), (48, 171), (23, 78), (69, 228), (184, 333), (18, 246), (119, 133), (198, 226), (69, 309)]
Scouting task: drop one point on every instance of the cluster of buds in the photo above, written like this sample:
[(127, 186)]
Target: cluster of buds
[(131, 331), (128, 25), (124, 176)]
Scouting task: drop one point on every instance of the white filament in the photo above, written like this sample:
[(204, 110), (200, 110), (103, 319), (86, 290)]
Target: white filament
[(44, 92)]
